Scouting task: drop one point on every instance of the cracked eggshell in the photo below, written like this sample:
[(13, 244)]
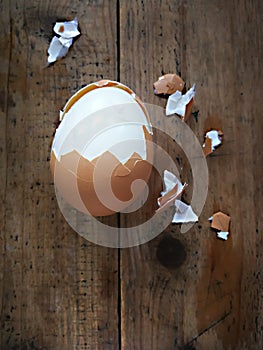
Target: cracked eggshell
[(101, 147), (168, 84)]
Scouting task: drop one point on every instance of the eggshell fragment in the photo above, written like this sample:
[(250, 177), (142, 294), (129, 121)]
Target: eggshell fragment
[(223, 235), (207, 146), (57, 49), (68, 29), (101, 148), (220, 221), (181, 104), (168, 84), (173, 189), (184, 213), (59, 46), (213, 139)]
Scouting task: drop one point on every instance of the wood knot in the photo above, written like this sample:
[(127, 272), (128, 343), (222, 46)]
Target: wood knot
[(171, 252)]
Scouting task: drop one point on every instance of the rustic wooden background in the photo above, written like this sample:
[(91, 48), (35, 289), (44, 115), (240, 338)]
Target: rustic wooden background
[(179, 291)]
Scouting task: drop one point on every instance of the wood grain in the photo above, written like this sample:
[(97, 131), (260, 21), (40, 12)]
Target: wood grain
[(178, 291), (191, 290), (58, 291)]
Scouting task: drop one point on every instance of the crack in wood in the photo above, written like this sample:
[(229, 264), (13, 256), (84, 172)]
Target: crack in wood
[(212, 325)]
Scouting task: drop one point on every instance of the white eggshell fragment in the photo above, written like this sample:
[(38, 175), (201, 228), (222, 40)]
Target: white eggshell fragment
[(57, 49), (67, 29)]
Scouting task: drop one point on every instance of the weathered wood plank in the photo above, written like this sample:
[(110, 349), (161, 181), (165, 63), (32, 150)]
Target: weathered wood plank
[(213, 299), (58, 290), (5, 44)]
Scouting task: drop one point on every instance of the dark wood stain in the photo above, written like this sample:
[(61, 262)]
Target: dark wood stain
[(171, 252)]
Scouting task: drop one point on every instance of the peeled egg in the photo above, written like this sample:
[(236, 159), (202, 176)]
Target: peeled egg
[(102, 148)]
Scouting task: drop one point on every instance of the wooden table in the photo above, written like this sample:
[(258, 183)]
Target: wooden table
[(59, 291)]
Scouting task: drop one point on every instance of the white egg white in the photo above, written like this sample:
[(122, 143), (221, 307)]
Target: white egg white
[(104, 119)]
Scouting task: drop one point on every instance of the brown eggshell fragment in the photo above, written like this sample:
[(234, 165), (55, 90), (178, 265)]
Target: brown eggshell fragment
[(220, 221), (188, 110), (169, 198), (207, 149), (168, 84)]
